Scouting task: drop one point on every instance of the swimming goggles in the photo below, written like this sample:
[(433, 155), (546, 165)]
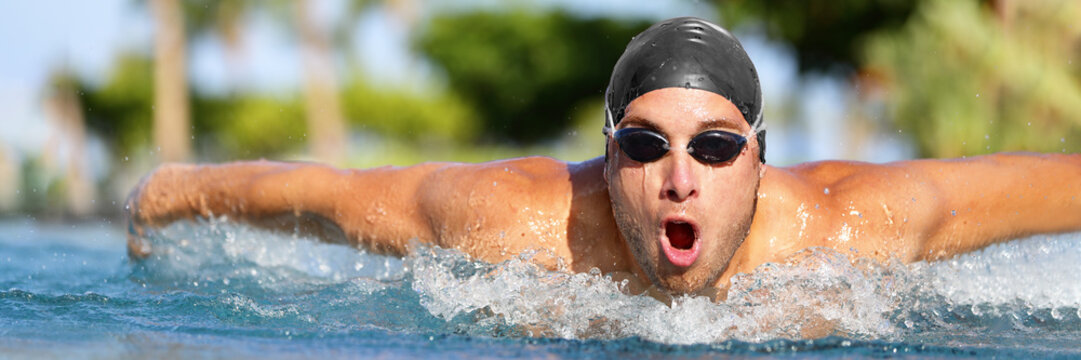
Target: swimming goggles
[(709, 147)]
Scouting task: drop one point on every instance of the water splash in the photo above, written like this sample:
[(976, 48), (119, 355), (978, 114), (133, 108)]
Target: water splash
[(1001, 294), (817, 293), (220, 255), (820, 294)]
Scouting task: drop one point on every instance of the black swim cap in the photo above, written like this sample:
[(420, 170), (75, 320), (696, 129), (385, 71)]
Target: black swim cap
[(692, 53)]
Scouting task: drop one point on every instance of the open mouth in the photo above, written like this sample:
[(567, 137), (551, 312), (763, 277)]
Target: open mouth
[(680, 242), (680, 234)]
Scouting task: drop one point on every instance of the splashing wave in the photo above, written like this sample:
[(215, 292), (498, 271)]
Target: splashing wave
[(1003, 293)]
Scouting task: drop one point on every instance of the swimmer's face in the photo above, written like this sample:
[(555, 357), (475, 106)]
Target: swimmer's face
[(683, 219)]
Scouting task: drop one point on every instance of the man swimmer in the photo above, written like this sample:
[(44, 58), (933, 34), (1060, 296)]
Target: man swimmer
[(681, 201)]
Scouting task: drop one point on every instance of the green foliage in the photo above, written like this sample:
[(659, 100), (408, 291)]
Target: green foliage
[(40, 191), (441, 116), (215, 17), (121, 110), (824, 33), (524, 72), (961, 82), (247, 126), (250, 125)]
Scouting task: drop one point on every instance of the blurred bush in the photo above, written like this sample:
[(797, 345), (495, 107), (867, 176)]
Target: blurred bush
[(247, 125), (524, 73), (409, 115), (963, 79), (824, 33), (120, 110)]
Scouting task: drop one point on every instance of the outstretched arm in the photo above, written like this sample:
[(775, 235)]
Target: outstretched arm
[(374, 208), (933, 209), (999, 197)]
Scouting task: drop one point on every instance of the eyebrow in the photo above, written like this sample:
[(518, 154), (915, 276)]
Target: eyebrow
[(722, 123), (641, 122)]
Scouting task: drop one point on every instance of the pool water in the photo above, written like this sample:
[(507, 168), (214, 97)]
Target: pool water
[(218, 289)]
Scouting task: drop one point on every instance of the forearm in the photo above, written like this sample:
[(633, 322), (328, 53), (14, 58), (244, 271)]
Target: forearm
[(1006, 196), (279, 196), (375, 208), (240, 190)]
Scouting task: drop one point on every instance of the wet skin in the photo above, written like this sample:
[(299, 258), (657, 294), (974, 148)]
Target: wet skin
[(618, 215)]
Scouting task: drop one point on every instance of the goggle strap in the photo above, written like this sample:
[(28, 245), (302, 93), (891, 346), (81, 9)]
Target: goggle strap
[(609, 124), (758, 125)]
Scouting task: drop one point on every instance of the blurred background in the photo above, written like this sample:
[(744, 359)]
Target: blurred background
[(93, 95)]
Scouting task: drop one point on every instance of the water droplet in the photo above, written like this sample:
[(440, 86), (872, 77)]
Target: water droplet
[(953, 212), (977, 94), (826, 191)]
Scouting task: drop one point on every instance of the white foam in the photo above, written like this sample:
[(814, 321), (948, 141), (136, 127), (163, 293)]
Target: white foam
[(185, 248), (1042, 272), (816, 293), (777, 301)]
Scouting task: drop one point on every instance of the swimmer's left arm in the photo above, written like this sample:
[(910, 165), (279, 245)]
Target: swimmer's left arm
[(982, 200)]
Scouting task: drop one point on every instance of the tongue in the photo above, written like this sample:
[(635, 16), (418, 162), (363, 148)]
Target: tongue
[(680, 235)]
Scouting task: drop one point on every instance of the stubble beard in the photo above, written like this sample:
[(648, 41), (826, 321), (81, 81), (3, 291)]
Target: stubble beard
[(690, 280)]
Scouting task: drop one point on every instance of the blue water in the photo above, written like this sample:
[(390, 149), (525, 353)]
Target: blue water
[(215, 289)]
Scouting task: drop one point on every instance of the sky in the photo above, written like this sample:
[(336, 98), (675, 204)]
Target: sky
[(37, 37)]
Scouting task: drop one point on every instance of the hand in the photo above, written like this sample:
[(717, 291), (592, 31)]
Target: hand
[(138, 246)]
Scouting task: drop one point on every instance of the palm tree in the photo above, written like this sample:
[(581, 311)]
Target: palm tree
[(68, 143), (172, 129), (223, 19), (326, 124)]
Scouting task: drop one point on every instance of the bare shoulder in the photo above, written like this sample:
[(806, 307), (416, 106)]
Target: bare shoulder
[(916, 209), (875, 210), (497, 209), (846, 179), (524, 176)]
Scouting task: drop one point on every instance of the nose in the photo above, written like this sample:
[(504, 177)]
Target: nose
[(680, 182)]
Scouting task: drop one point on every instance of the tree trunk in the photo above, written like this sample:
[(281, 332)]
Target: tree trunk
[(68, 145), (172, 129), (326, 124)]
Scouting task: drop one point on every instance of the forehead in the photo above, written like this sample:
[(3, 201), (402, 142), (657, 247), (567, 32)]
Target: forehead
[(683, 107)]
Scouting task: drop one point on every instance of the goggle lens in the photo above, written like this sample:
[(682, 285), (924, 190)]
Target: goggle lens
[(710, 147)]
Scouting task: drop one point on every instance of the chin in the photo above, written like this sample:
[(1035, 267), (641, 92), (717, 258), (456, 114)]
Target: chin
[(702, 275), (716, 251), (687, 283)]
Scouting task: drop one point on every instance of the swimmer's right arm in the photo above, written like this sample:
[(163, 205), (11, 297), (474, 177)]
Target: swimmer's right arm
[(374, 208)]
